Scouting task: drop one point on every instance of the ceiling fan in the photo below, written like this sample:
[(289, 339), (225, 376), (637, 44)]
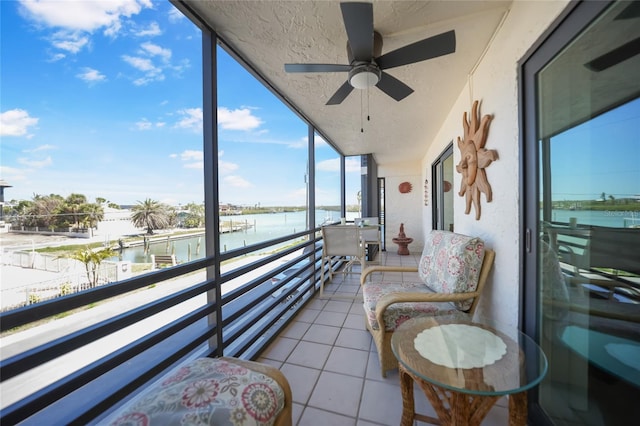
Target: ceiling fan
[(366, 66)]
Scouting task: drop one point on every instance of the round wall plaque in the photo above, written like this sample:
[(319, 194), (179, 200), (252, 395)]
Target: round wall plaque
[(405, 187)]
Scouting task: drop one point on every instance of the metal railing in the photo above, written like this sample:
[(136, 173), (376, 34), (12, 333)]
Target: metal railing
[(256, 302)]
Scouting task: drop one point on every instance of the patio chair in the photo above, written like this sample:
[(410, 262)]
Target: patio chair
[(370, 236), (342, 243), (453, 269)]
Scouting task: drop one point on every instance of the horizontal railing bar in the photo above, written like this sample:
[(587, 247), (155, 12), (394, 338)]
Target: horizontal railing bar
[(32, 358), (232, 314), (28, 314), (227, 255), (237, 292), (258, 263), (46, 396), (283, 310), (157, 370), (275, 308)]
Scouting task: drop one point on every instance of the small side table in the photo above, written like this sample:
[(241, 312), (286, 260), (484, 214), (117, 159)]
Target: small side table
[(464, 395)]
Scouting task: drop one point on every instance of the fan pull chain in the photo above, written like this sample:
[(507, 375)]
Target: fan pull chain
[(368, 117), (361, 114)]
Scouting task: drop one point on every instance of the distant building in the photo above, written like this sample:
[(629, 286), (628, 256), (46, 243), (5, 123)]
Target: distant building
[(3, 185)]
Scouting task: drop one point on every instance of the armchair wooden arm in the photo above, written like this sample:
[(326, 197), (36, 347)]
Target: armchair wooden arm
[(382, 336), (389, 299)]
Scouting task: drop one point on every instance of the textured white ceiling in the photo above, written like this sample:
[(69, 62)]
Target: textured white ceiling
[(269, 34)]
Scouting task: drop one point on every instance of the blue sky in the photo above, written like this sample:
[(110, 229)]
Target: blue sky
[(105, 99), (601, 155)]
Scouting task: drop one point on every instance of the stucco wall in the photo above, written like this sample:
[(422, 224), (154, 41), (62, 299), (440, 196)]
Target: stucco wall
[(396, 211), (495, 84)]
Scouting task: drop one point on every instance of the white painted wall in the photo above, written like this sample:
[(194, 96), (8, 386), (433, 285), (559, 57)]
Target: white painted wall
[(495, 85), (396, 207)]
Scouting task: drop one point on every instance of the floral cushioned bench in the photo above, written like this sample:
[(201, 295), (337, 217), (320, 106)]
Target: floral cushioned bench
[(453, 269), (212, 391)]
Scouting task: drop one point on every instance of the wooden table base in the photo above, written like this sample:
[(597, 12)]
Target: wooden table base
[(455, 408)]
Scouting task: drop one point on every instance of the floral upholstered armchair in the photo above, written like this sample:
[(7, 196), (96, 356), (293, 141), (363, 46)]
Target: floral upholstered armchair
[(453, 270), (212, 391)]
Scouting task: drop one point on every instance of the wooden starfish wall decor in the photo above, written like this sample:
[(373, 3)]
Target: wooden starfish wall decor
[(475, 158)]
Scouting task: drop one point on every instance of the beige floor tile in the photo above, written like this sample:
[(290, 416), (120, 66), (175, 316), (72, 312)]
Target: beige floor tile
[(295, 330), (301, 380), (335, 319), (280, 349), (320, 333), (337, 393), (372, 409), (347, 361), (316, 417), (309, 354), (355, 339)]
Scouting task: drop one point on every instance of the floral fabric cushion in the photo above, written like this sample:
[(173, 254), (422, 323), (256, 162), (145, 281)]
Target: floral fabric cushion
[(451, 263), (207, 391), (398, 313)]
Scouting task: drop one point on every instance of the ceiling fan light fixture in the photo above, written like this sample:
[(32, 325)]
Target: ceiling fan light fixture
[(364, 76)]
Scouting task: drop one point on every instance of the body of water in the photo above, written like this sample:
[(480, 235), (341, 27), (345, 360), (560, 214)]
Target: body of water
[(256, 228), (609, 218)]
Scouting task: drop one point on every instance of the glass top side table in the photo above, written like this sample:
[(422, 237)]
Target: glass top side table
[(464, 366)]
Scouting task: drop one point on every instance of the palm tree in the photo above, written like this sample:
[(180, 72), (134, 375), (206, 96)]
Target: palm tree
[(94, 214), (73, 205), (151, 214), (91, 260)]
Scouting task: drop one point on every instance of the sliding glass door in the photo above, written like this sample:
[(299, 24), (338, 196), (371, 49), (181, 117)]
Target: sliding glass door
[(442, 178), (582, 215)]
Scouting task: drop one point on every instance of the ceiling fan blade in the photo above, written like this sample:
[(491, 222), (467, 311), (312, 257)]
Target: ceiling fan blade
[(341, 94), (393, 87), (432, 47), (358, 21), (316, 68), (614, 57)]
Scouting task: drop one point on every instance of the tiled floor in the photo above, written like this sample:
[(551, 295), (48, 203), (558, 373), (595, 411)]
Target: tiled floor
[(331, 363)]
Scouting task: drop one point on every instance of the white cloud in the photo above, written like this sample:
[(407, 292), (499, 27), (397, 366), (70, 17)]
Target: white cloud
[(12, 174), (57, 57), (155, 50), (226, 167), (191, 119), (352, 165), (191, 159), (237, 119), (191, 155), (175, 15), (143, 124), (151, 31), (236, 182), (142, 64), (69, 41), (319, 141), (151, 72), (300, 143), (91, 76), (16, 122), (45, 147), (36, 164), (332, 165), (75, 21), (86, 16)]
